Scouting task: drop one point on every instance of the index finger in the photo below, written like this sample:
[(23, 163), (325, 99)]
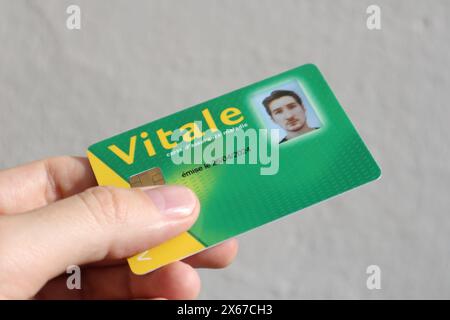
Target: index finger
[(42, 182)]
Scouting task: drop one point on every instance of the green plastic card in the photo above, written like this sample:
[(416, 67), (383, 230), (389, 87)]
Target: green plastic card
[(252, 156)]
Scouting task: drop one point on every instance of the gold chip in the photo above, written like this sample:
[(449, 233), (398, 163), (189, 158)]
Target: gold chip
[(151, 177)]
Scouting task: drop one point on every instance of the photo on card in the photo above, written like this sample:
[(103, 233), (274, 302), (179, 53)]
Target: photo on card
[(285, 107)]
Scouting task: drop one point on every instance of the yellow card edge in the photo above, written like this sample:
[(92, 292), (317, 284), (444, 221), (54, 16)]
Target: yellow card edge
[(105, 175), (170, 251)]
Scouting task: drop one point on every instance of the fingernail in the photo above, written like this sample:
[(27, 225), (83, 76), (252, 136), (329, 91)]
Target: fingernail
[(177, 201)]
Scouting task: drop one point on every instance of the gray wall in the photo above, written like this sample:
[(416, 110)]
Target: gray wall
[(135, 61)]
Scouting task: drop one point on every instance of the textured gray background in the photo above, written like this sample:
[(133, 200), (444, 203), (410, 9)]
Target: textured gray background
[(135, 61)]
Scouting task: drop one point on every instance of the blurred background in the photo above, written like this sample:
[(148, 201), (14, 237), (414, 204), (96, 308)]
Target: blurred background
[(135, 61)]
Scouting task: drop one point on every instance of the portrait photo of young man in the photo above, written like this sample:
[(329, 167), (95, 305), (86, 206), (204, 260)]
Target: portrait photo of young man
[(288, 111)]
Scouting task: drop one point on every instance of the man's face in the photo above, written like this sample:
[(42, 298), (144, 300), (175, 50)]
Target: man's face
[(288, 113)]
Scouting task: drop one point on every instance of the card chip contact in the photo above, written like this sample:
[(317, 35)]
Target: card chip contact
[(151, 177)]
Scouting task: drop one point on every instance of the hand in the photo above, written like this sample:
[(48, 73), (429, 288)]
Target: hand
[(52, 215)]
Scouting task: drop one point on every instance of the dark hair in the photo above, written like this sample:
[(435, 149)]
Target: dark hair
[(278, 94)]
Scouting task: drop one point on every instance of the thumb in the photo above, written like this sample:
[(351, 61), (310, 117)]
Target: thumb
[(99, 223)]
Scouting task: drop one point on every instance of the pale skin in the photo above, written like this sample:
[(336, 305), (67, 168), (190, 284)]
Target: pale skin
[(290, 115), (53, 215)]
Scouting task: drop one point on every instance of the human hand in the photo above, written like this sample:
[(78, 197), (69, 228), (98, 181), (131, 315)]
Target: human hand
[(52, 215)]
